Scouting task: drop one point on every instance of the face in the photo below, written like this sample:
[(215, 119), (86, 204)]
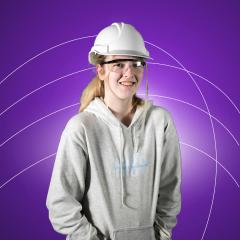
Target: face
[(121, 79)]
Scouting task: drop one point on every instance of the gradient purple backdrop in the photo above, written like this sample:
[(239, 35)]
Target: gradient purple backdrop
[(201, 36)]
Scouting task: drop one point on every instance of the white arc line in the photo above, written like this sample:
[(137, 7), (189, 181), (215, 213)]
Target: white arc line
[(25, 169), (41, 53), (33, 123), (205, 79), (200, 109), (45, 158), (151, 95), (210, 122), (93, 68), (45, 85), (213, 131), (186, 144), (86, 37)]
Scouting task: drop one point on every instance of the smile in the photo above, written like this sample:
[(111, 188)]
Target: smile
[(127, 83)]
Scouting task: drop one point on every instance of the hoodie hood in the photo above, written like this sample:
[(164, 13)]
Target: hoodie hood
[(137, 128)]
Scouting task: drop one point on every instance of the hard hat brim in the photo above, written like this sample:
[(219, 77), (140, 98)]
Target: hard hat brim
[(92, 55)]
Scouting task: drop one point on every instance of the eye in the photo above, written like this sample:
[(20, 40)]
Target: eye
[(118, 65)]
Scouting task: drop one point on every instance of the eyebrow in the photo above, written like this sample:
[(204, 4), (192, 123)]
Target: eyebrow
[(122, 60)]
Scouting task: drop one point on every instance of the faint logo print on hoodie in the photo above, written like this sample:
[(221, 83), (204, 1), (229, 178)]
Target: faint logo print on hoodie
[(135, 168)]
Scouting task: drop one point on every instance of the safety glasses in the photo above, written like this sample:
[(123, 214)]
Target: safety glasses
[(120, 65)]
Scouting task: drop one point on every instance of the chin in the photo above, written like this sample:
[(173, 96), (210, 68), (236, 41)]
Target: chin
[(126, 96)]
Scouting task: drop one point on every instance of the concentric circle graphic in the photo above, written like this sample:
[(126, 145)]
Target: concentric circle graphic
[(33, 136)]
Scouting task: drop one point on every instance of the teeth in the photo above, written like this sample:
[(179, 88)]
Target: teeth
[(127, 83)]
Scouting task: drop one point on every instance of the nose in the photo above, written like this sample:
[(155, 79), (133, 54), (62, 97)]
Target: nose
[(129, 72)]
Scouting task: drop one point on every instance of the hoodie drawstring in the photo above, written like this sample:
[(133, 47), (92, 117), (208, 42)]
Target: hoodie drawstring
[(121, 170), (138, 140)]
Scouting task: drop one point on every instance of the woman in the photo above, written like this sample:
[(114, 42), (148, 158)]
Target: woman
[(117, 171)]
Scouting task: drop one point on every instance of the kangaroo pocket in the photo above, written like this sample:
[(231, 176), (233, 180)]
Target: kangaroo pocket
[(134, 233)]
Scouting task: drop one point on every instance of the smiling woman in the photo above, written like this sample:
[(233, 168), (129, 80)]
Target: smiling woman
[(122, 77), (116, 66), (117, 171)]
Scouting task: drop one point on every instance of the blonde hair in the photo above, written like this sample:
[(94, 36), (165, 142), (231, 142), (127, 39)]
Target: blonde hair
[(95, 88)]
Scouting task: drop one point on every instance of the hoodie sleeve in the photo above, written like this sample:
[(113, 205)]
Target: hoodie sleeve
[(67, 188), (169, 197)]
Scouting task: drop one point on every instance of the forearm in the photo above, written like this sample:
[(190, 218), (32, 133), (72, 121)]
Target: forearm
[(66, 218), (166, 217), (169, 197), (66, 190)]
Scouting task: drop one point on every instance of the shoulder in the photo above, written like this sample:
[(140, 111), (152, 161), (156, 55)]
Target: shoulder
[(77, 122), (160, 113), (170, 127), (74, 130)]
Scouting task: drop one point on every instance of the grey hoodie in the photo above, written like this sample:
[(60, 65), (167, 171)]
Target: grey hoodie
[(110, 181)]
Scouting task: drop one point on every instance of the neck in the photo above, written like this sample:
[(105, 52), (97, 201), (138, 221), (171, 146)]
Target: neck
[(120, 108)]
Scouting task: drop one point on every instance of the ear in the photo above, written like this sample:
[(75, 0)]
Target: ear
[(100, 72)]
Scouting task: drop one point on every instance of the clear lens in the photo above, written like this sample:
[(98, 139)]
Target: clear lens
[(121, 66)]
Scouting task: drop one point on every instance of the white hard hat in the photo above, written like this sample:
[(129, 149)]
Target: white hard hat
[(118, 39)]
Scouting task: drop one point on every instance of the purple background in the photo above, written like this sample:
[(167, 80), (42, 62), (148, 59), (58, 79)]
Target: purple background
[(202, 36)]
